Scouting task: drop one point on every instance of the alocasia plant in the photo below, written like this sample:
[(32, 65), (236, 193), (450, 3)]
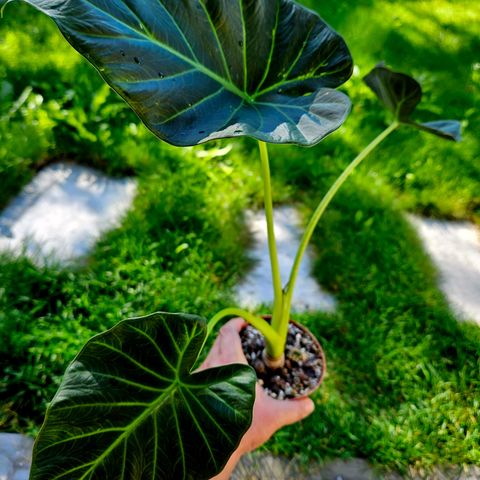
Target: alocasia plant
[(131, 405)]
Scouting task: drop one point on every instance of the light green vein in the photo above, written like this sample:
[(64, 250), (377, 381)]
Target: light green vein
[(262, 118), (177, 26), (299, 55), (131, 428), (180, 441), (154, 343), (226, 124), (131, 359), (187, 344), (102, 405), (136, 384), (172, 337), (124, 461), (157, 79), (80, 437), (190, 106), (228, 85), (155, 447), (227, 406), (209, 415), (144, 26), (272, 48), (220, 47), (244, 46), (325, 61), (289, 121), (72, 470), (299, 79), (283, 105), (199, 428)]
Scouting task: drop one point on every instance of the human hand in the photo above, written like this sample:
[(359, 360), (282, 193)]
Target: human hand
[(269, 415)]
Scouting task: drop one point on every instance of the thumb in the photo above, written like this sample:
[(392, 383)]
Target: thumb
[(291, 411)]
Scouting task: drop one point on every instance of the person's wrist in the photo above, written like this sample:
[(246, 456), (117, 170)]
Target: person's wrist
[(226, 473)]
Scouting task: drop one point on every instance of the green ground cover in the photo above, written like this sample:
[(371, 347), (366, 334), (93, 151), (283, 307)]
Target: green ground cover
[(403, 385)]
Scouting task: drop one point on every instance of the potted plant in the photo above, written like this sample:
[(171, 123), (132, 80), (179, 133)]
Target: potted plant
[(131, 404)]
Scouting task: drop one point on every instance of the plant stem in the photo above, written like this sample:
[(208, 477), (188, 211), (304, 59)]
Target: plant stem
[(259, 323), (316, 218), (276, 333), (272, 246)]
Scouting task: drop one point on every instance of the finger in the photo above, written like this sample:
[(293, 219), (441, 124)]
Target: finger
[(227, 347), (235, 324), (228, 344), (291, 411)]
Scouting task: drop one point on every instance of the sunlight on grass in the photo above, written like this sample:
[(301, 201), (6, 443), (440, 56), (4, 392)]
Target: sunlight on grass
[(19, 49), (403, 382), (437, 21)]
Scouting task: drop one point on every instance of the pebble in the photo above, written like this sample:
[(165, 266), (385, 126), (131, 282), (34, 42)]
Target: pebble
[(302, 369)]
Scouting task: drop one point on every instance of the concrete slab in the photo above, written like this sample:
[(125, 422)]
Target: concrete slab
[(256, 289), (15, 456), (455, 249), (60, 215), (260, 466)]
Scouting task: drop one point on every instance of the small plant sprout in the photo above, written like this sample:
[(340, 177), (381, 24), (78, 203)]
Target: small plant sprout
[(131, 404)]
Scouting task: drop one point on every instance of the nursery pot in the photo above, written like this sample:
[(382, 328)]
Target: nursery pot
[(304, 368)]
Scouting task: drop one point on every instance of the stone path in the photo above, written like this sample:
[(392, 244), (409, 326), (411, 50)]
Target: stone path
[(62, 212), (256, 289), (16, 451), (455, 250), (262, 466), (15, 456)]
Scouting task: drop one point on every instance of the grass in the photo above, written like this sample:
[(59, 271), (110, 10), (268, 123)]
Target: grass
[(403, 382)]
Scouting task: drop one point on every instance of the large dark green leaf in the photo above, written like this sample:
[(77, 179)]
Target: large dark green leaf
[(129, 408), (197, 70), (401, 94)]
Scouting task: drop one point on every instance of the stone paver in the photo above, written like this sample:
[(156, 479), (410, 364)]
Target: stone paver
[(58, 216), (15, 456), (256, 289), (263, 466), (16, 451), (455, 249), (260, 466)]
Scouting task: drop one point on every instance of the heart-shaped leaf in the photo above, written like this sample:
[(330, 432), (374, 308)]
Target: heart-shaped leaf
[(197, 70), (129, 407), (401, 94)]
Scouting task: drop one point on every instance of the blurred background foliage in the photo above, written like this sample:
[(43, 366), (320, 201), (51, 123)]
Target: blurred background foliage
[(403, 385)]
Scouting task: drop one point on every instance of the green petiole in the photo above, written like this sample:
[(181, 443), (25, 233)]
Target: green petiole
[(276, 333)]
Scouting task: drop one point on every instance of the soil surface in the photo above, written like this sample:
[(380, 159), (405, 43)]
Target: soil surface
[(303, 368)]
